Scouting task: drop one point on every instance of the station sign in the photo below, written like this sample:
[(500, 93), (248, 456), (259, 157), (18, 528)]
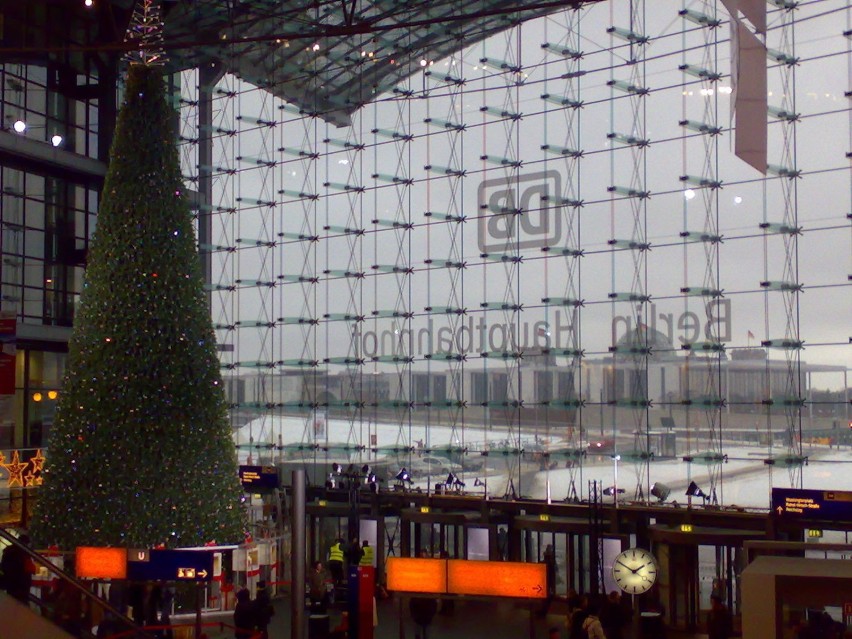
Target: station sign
[(828, 505), (169, 565), (511, 579), (258, 479)]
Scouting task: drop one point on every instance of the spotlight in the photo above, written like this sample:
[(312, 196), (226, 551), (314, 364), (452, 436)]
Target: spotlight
[(365, 469), (330, 482), (88, 3), (695, 491), (404, 476), (458, 483), (20, 126), (612, 490), (478, 482), (56, 140), (372, 482), (450, 479), (660, 491), (336, 468)]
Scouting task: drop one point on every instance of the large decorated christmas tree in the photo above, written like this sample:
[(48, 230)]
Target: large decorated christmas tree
[(140, 453)]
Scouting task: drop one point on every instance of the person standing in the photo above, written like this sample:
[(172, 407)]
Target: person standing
[(719, 622), (592, 624), (423, 610), (18, 570), (335, 561), (367, 554), (316, 587), (354, 553), (263, 609), (244, 615)]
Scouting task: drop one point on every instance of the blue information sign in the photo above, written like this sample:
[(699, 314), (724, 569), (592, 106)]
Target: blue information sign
[(795, 503), (169, 565)]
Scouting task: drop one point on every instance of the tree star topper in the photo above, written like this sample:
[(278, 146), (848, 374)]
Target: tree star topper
[(146, 30)]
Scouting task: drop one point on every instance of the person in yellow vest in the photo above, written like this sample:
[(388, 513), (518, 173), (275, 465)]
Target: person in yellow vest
[(335, 561), (367, 554)]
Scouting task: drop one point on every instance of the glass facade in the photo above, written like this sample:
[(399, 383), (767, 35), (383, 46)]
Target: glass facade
[(545, 243)]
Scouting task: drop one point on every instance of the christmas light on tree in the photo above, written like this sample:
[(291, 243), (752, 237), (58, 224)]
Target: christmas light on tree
[(141, 452)]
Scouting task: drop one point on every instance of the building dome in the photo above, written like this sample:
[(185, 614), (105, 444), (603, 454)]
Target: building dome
[(643, 336)]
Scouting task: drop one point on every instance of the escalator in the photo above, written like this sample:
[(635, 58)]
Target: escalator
[(67, 609)]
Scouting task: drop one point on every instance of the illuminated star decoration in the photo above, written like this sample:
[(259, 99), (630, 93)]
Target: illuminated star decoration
[(37, 461), (15, 470)]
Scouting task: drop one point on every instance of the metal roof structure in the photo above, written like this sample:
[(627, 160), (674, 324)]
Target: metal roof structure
[(330, 57)]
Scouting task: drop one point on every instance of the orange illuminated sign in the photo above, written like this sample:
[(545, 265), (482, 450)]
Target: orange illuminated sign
[(101, 563), (462, 577), (409, 574), (497, 579)]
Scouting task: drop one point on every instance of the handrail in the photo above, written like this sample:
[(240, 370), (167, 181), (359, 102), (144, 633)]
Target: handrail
[(67, 578)]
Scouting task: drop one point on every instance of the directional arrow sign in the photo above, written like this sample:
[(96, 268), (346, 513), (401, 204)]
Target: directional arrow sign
[(809, 504), (172, 565)]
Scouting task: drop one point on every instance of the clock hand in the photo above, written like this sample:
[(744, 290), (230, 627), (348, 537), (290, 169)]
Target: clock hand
[(626, 566)]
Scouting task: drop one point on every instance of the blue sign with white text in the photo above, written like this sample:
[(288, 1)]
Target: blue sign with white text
[(795, 503), (169, 565)]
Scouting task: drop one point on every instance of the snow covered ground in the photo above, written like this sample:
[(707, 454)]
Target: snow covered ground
[(745, 480)]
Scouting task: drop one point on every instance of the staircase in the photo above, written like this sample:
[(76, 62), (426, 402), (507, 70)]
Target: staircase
[(69, 610)]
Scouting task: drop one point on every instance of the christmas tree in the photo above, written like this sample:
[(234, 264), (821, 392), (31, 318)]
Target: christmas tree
[(140, 453)]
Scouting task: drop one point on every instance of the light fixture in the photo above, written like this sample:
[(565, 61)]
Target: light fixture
[(660, 491), (612, 490), (365, 469), (458, 483), (336, 468), (88, 3), (689, 194), (52, 394), (694, 491), (403, 476), (37, 397), (20, 126), (56, 140)]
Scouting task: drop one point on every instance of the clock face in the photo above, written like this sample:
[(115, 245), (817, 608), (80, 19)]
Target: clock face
[(635, 571)]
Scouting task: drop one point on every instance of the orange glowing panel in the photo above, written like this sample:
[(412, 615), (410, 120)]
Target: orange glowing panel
[(497, 579), (101, 563), (409, 574)]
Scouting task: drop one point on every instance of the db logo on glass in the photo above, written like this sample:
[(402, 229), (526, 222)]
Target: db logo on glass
[(519, 212)]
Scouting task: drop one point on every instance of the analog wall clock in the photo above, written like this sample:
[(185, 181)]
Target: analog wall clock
[(635, 571)]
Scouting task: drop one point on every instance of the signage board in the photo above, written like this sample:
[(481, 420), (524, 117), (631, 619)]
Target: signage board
[(170, 565), (497, 579), (796, 503), (463, 577), (101, 563), (409, 574), (257, 479)]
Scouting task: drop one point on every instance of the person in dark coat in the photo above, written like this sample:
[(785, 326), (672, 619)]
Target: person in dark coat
[(244, 615), (263, 609), (18, 570), (719, 622), (423, 610), (613, 616), (354, 553)]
